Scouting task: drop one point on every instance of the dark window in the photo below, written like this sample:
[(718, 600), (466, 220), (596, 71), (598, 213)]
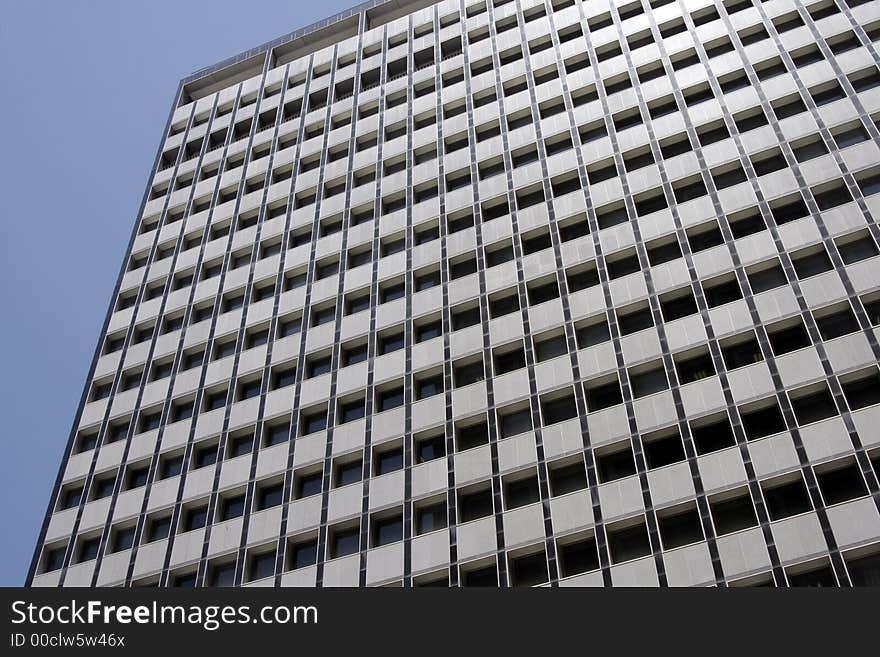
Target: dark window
[(389, 399), (841, 484), (308, 485), (713, 437), (733, 514), (567, 479), (319, 366), (472, 435), (137, 477), (303, 554), (344, 542), (521, 492), (313, 422), (718, 294), (635, 321), (123, 539), (603, 396), (195, 518), (663, 451), (515, 423), (837, 324), (678, 306), (429, 331), (767, 279), (348, 473), (578, 557), (811, 264), (788, 339), (862, 392), (428, 449), (742, 353), (530, 570), (558, 410), (281, 378), (387, 530), (232, 507), (158, 528), (628, 543), (787, 499), (389, 461), (430, 518), (694, 369), (615, 465), (465, 318), (680, 529), (472, 506), (390, 343), (88, 549), (593, 334), (276, 434), (269, 496), (351, 411), (429, 387), (762, 422), (354, 355)]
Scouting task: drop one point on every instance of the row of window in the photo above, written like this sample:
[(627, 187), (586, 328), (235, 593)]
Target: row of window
[(397, 67), (784, 496), (852, 248), (749, 119)]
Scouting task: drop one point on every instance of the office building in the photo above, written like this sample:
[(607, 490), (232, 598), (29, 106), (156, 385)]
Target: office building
[(523, 292)]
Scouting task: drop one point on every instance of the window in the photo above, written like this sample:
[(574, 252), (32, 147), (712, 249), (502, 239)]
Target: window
[(475, 504), (578, 556), (387, 530), (429, 447), (712, 434), (240, 445), (137, 476), (786, 498), (763, 420), (601, 395), (158, 527), (430, 517), (88, 549), (350, 411), (427, 387), (307, 484), (626, 542), (841, 482), (662, 448), (566, 479), (344, 541), (261, 566), (514, 422), (313, 421), (303, 554), (205, 456), (389, 398), (391, 342), (269, 495), (231, 507), (680, 528), (732, 514), (195, 518), (122, 538), (615, 463)]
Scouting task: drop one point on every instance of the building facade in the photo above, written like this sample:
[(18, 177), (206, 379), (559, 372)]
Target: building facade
[(523, 292)]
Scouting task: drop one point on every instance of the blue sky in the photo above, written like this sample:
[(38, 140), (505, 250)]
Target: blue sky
[(86, 89)]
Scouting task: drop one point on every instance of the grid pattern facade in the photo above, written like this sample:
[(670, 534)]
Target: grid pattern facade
[(518, 293)]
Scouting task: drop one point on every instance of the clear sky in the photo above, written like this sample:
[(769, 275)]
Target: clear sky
[(85, 89)]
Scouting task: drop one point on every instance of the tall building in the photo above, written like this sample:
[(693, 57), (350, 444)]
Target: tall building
[(499, 293)]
